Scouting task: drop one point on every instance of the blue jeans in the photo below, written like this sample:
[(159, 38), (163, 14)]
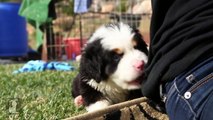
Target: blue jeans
[(190, 95)]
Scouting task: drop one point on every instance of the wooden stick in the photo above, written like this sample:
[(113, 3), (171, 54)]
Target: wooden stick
[(112, 108)]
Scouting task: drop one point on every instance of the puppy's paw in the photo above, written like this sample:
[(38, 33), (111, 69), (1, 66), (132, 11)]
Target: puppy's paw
[(78, 101), (98, 105)]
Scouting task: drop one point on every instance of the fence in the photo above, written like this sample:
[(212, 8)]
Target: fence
[(70, 32)]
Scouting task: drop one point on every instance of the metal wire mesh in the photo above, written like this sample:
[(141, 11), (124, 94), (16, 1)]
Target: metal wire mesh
[(70, 32)]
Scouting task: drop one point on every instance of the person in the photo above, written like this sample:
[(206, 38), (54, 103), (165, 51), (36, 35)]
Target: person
[(180, 62)]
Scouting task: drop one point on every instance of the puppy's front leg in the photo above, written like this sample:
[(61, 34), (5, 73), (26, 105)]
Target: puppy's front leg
[(101, 104)]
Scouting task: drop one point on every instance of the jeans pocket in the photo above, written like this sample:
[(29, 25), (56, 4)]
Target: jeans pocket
[(201, 83)]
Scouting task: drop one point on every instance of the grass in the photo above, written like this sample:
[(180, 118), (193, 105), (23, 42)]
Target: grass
[(37, 95)]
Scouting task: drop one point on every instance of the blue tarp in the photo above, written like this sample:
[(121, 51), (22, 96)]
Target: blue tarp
[(39, 65)]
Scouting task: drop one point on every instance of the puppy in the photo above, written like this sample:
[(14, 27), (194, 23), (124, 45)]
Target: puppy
[(111, 67)]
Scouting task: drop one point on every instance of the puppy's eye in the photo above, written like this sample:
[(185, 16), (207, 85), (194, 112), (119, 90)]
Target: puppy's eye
[(117, 57)]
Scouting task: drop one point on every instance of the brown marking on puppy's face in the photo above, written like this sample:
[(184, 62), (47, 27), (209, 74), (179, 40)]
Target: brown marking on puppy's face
[(118, 51)]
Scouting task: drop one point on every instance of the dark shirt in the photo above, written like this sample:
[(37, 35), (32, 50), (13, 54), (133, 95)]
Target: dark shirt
[(181, 36)]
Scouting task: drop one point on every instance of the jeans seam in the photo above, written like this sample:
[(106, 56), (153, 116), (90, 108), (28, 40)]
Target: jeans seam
[(171, 90), (202, 82), (188, 104)]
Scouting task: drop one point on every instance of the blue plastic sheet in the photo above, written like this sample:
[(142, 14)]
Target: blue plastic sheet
[(39, 65)]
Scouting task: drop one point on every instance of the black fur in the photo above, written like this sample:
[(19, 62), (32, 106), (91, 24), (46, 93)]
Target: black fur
[(98, 64), (141, 45)]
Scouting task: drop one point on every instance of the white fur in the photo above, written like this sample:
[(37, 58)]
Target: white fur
[(112, 92), (121, 38), (125, 70), (114, 37), (115, 89), (97, 105)]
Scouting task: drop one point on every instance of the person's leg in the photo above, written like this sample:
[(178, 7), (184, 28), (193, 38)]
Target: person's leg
[(207, 113), (189, 96)]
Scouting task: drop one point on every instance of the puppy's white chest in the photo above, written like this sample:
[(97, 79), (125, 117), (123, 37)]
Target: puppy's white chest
[(110, 91)]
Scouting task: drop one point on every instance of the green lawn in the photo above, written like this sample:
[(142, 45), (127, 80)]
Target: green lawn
[(36, 95)]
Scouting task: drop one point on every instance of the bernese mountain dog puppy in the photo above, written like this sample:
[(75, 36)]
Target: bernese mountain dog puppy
[(111, 67)]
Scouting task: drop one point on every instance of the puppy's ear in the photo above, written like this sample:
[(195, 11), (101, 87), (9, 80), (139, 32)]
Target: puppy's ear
[(141, 42), (139, 37), (91, 61)]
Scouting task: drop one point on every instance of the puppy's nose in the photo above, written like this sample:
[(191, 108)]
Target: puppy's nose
[(138, 65)]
